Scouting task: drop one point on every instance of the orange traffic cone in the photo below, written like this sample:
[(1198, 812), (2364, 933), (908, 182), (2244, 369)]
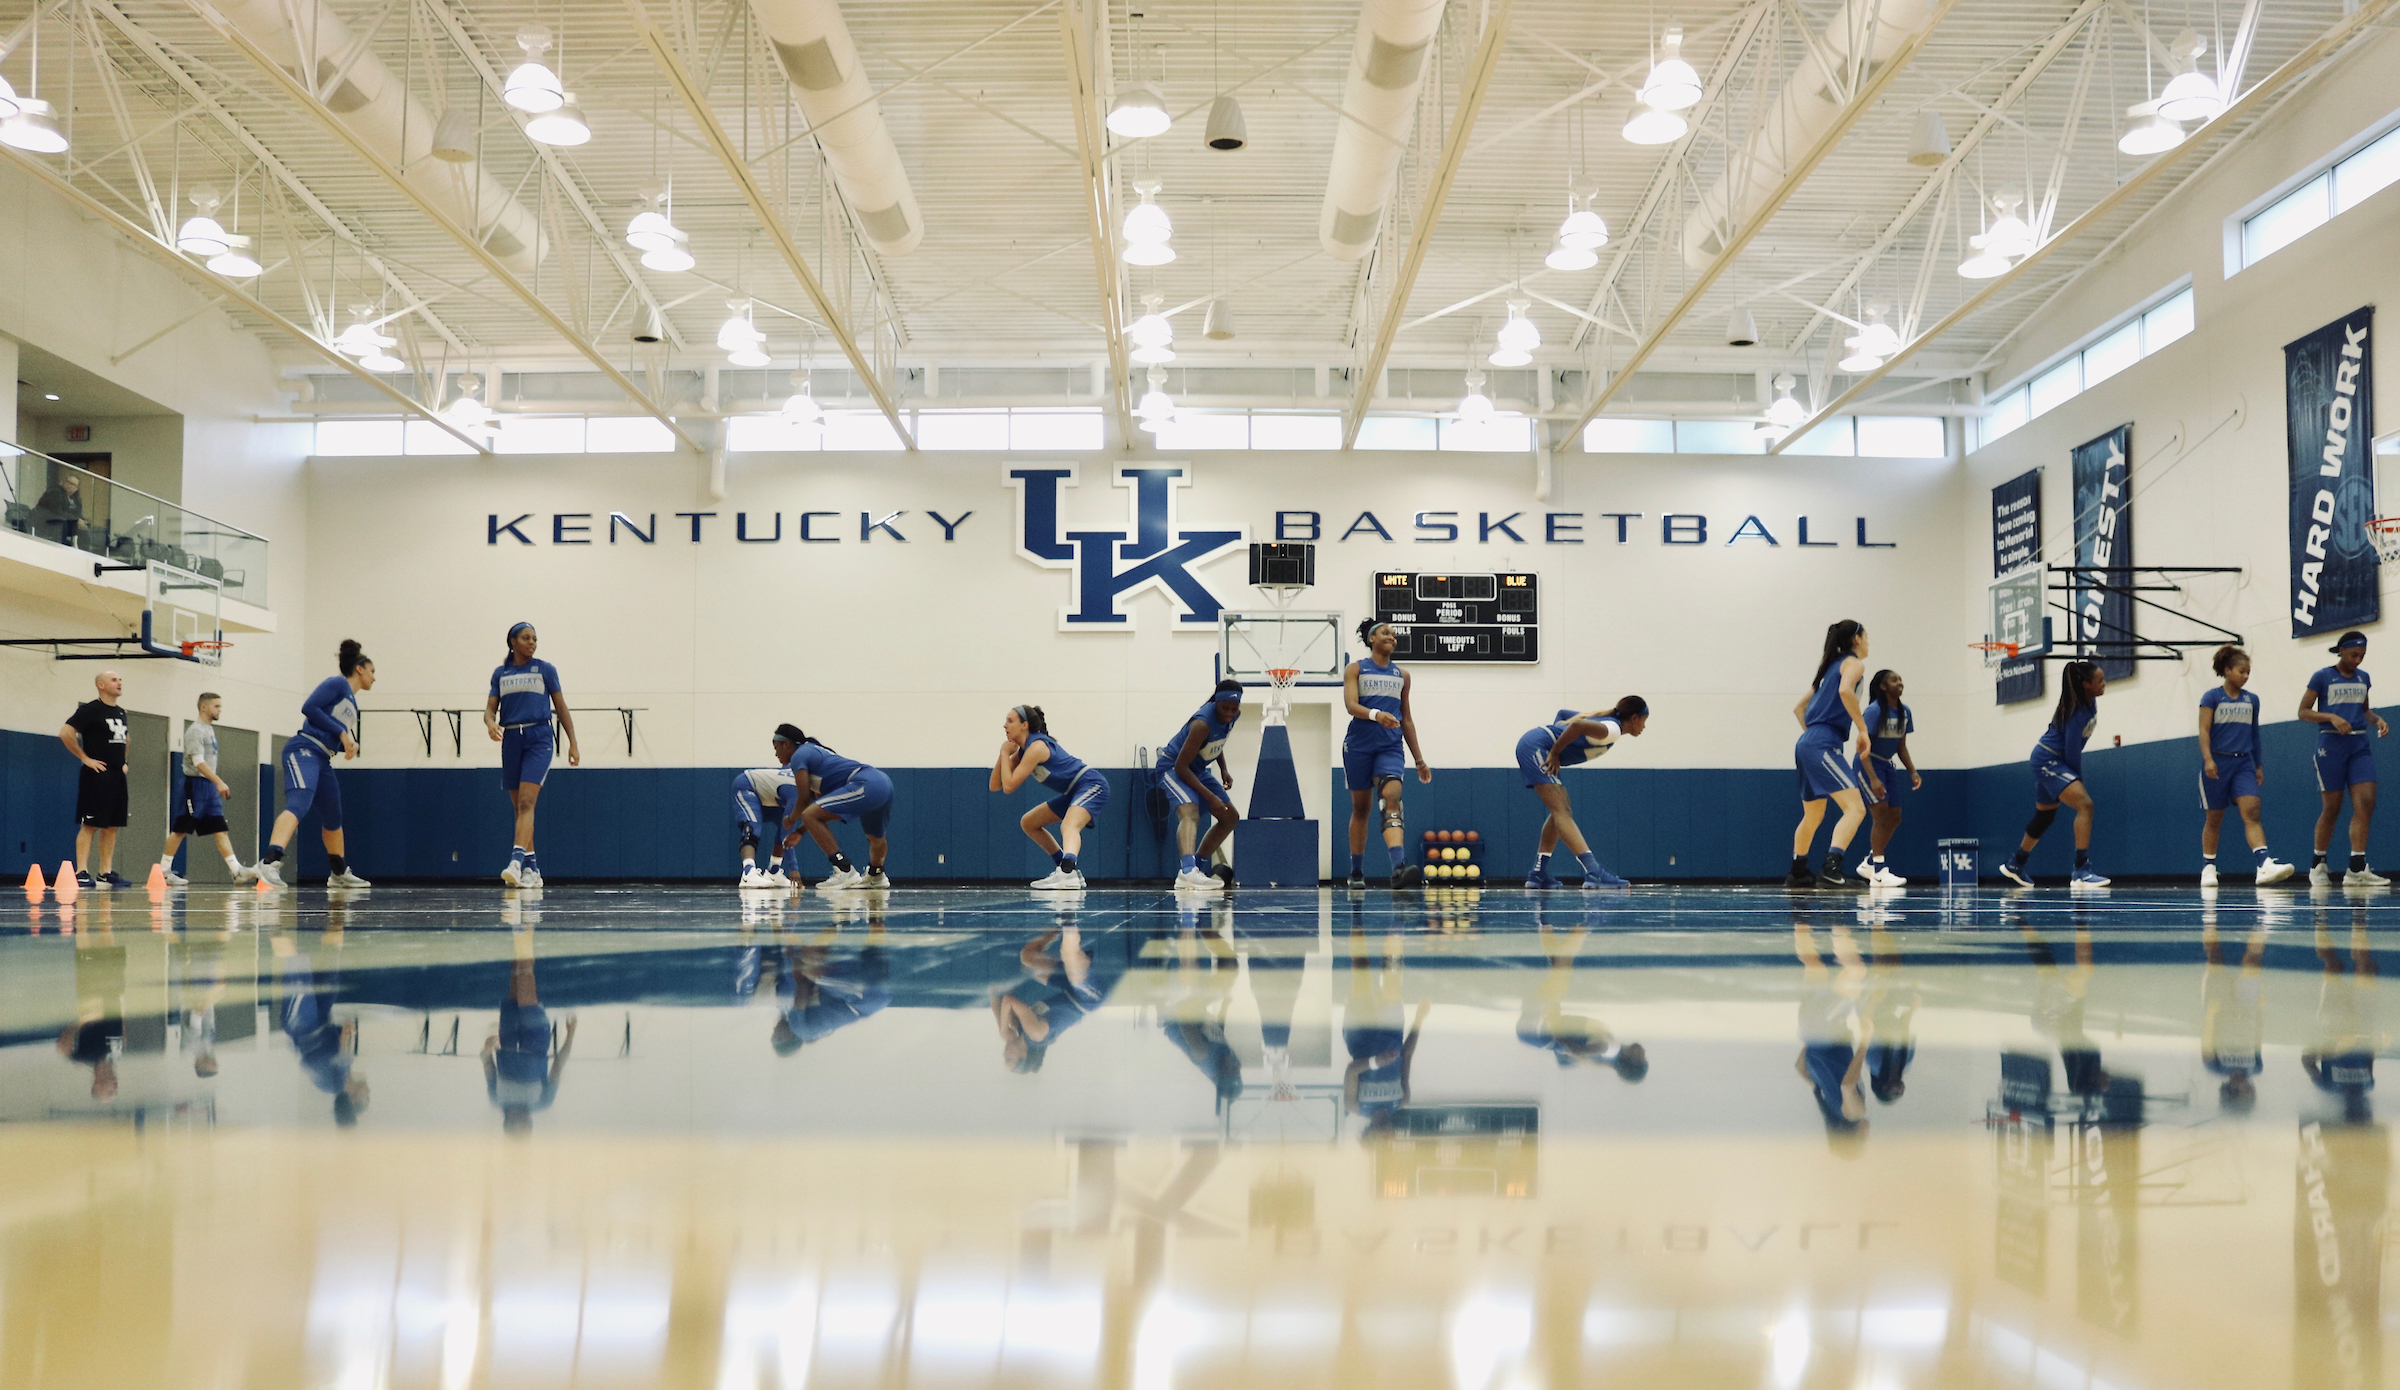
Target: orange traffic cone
[(158, 878), (64, 886), (33, 880)]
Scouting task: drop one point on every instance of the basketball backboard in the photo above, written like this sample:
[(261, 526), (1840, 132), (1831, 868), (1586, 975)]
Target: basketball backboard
[(1252, 643), (2014, 613), (180, 615)]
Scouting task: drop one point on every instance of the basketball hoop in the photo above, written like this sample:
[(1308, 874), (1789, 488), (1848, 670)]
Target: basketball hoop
[(1995, 652), (1279, 695), (189, 648), (2385, 532)]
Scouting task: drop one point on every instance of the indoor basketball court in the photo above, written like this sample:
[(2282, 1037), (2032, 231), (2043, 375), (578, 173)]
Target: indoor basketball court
[(1486, 694)]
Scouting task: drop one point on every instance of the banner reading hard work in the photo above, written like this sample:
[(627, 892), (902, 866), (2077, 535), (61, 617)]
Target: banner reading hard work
[(2017, 609), (2103, 619), (2329, 414)]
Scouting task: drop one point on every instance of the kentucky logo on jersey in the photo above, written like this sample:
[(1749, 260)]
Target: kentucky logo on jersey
[(1157, 554)]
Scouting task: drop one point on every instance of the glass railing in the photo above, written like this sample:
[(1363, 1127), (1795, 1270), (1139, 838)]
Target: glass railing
[(72, 506)]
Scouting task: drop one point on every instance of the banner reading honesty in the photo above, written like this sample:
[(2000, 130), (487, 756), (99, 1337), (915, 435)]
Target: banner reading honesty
[(2103, 620), (2329, 412), (2017, 545)]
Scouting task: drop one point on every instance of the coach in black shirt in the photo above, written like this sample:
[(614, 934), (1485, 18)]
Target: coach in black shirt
[(97, 735)]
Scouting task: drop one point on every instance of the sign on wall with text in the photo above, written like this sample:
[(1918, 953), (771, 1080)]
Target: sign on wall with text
[(2102, 601), (2017, 546), (2329, 412)]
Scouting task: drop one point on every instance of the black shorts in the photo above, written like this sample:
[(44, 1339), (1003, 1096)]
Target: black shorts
[(189, 824), (100, 798)]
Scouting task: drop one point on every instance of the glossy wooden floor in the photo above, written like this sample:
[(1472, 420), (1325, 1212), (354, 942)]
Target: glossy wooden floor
[(637, 1137)]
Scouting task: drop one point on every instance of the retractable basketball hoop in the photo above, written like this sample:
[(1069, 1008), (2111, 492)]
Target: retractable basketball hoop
[(1994, 652), (1280, 647), (2385, 532)]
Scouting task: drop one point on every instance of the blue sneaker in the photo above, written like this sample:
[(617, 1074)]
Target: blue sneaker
[(2087, 877), (1602, 878), (2016, 875), (1540, 878)]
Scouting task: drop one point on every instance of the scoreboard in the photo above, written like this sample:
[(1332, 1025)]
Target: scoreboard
[(1462, 617)]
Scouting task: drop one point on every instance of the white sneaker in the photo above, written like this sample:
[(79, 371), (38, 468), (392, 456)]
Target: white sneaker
[(776, 878), (2319, 876), (348, 878), (2273, 871), (1057, 878), (532, 878), (1883, 877), (245, 873), (2208, 875), (2364, 878), (1198, 881), (270, 874), (875, 879), (752, 877), (514, 874), (175, 880), (842, 878)]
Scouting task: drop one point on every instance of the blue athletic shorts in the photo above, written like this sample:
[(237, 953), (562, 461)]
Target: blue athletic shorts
[(2339, 767), (525, 754), (308, 781), (200, 798), (1895, 784), (2051, 778), (1533, 748), (1182, 795), (2237, 776), (1089, 790), (1823, 769), (866, 797), (1368, 771)]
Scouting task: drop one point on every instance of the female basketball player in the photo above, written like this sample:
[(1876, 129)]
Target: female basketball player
[(1570, 740), (1183, 774), (1827, 714), (328, 725), (829, 787), (2340, 702), (1027, 751), (2058, 774), (525, 698), (1886, 770), (2230, 770), (1375, 690)]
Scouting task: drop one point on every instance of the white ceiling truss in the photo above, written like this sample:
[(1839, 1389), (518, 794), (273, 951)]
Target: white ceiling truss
[(996, 109)]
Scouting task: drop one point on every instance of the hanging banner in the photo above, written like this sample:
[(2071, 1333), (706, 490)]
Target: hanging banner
[(2017, 608), (2103, 620), (2329, 414)]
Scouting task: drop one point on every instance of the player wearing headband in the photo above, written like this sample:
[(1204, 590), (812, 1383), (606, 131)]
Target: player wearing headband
[(754, 790), (525, 697), (2340, 701), (1184, 775), (1375, 690), (1567, 741), (1029, 752)]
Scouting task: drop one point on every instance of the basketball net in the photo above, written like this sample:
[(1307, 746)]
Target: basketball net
[(1279, 693)]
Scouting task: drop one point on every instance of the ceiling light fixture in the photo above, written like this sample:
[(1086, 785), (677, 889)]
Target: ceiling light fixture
[(1650, 125), (1784, 414), (740, 338), (235, 262), (1742, 329), (382, 360), (1156, 410), (467, 413), (1583, 229), (1226, 128), (49, 395), (362, 338), (2000, 245), (1139, 112), (802, 408), (1219, 325), (564, 127), (1872, 345), (201, 234), (1147, 229), (1565, 257), (2150, 133), (1152, 334), (664, 246), (34, 129), (1475, 408), (2191, 94), (533, 88), (1517, 338), (1928, 140), (1672, 84)]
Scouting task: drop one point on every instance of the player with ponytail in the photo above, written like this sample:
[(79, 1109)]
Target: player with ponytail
[(1028, 752), (2057, 763), (1571, 739), (328, 725)]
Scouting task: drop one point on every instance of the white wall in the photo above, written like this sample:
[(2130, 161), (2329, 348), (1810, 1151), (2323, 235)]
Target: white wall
[(79, 292), (906, 654), (2210, 469)]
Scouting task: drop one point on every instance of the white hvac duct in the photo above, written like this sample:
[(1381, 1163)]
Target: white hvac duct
[(307, 40), (1387, 64), (1807, 107), (813, 44)]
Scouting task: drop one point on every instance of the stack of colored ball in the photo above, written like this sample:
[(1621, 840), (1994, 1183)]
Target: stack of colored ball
[(1450, 854)]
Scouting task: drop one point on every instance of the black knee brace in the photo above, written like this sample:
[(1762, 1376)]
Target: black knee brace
[(2040, 822)]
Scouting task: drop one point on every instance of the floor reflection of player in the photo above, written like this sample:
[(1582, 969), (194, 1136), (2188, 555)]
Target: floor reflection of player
[(203, 990), (1891, 1017), (1199, 993), (1275, 974), (327, 1049), (2341, 1059), (1062, 989), (1376, 1083), (1544, 1023), (520, 1073), (2059, 997), (97, 1035), (1833, 1045), (824, 988), (2232, 1014)]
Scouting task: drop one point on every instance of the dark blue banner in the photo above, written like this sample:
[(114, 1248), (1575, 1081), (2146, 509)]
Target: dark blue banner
[(2103, 603), (2329, 413), (2017, 609)]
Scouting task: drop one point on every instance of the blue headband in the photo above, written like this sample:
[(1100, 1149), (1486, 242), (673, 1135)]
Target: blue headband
[(512, 632)]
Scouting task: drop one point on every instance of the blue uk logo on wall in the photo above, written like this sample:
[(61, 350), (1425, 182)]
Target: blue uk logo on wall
[(1109, 566)]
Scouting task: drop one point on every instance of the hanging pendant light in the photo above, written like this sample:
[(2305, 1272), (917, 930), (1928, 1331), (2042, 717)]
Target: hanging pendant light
[(1139, 112), (1928, 140), (1672, 84), (1583, 229), (467, 413), (1147, 229), (1872, 345), (1565, 257), (1151, 334), (2008, 235), (1226, 128), (2150, 133), (201, 234), (1784, 414), (1156, 410), (664, 246), (1651, 126), (740, 338), (235, 262), (1742, 329), (362, 338), (563, 126), (1219, 325), (1984, 264), (802, 409), (2191, 94), (34, 129), (1475, 408), (1517, 338), (532, 87)]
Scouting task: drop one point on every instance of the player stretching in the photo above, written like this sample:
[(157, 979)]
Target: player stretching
[(1028, 752), (2339, 700), (2230, 770), (829, 787), (2058, 774), (754, 789), (1827, 714), (525, 698), (328, 724), (1569, 740), (1886, 770), (1375, 690), (1183, 773)]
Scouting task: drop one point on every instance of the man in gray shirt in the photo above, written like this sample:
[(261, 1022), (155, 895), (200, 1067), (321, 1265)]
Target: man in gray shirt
[(200, 800)]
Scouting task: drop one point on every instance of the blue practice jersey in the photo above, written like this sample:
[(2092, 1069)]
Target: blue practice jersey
[(524, 692), (2349, 696), (1590, 745), (330, 711), (2233, 725), (1825, 707), (1219, 730), (824, 768), (1885, 730), (1062, 767), (1378, 689), (2066, 745)]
